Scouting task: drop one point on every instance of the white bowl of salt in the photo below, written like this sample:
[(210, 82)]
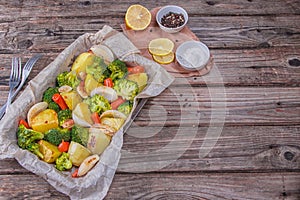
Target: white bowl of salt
[(192, 55)]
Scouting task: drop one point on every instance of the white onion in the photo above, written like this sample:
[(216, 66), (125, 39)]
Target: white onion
[(113, 114), (109, 93), (103, 52)]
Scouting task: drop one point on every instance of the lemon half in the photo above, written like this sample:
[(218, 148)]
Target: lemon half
[(137, 17)]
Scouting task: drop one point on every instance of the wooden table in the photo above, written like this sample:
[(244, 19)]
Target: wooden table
[(256, 49)]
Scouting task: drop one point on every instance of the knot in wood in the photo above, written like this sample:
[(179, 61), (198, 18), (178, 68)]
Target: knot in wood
[(294, 62), (289, 156)]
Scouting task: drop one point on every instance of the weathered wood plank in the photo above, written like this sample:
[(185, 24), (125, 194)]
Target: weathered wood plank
[(244, 106), (243, 149), (209, 186), (169, 186), (49, 34), (118, 8), (27, 187), (193, 106), (247, 148), (259, 67)]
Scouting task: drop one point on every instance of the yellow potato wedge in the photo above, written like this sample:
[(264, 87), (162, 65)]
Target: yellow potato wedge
[(45, 121)]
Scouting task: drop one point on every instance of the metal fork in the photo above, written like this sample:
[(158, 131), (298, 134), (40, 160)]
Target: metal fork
[(14, 79), (25, 73)]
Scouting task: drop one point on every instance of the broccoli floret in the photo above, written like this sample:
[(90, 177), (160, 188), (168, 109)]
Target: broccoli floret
[(54, 106), (118, 69), (47, 96), (56, 135), (125, 107), (126, 88), (98, 69), (63, 162), (27, 140), (35, 148), (80, 135), (67, 78), (64, 115), (98, 103)]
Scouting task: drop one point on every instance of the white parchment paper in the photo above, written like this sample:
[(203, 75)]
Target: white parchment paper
[(96, 183)]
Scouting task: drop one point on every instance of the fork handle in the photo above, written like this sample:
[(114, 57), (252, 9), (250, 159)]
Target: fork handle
[(2, 110), (12, 97)]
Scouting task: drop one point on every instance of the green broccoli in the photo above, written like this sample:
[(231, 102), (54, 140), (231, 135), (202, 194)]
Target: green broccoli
[(27, 140), (47, 96), (56, 135), (98, 69), (118, 69), (52, 105), (80, 135), (126, 88), (63, 162), (67, 78), (98, 103), (125, 107), (64, 115)]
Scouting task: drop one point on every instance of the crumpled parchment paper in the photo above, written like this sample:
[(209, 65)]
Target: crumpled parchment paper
[(96, 183)]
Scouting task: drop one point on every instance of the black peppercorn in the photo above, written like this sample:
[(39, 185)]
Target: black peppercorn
[(172, 20)]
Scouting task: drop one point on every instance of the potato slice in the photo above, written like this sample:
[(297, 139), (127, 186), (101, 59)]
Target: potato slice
[(71, 98), (82, 61), (115, 123), (98, 140), (90, 83), (82, 115), (50, 151), (140, 78), (78, 153), (34, 110), (45, 121)]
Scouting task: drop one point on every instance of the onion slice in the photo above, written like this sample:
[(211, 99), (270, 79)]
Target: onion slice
[(113, 114), (88, 164), (109, 93), (103, 52)]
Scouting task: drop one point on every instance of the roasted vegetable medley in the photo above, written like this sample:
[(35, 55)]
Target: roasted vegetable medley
[(76, 119)]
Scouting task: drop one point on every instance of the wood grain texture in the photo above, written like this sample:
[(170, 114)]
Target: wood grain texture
[(210, 186), (167, 186), (256, 51), (67, 9), (248, 67), (53, 34), (241, 148), (239, 105)]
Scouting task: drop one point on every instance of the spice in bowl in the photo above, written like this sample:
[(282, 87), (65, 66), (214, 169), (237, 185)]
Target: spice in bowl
[(172, 20)]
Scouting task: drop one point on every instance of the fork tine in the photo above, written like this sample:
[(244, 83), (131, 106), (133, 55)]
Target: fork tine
[(16, 69), (14, 80), (20, 69), (29, 65), (12, 69)]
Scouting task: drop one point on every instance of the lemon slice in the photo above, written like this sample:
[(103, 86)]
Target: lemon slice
[(137, 17), (161, 46), (164, 59)]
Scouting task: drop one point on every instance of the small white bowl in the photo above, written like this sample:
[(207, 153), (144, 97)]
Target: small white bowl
[(175, 9), (192, 55)]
